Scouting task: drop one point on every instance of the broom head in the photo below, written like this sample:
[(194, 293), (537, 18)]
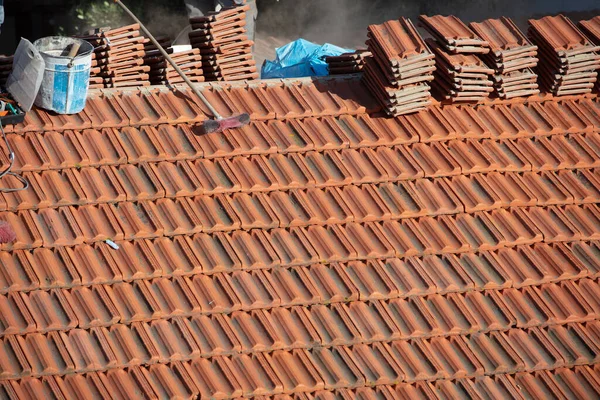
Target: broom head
[(219, 125), (7, 233)]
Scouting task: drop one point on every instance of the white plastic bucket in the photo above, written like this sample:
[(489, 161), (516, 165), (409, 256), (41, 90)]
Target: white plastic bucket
[(64, 88)]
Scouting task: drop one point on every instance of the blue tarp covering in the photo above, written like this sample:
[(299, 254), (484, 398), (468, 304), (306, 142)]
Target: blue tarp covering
[(300, 58)]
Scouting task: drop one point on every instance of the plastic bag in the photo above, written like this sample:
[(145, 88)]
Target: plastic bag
[(300, 58)]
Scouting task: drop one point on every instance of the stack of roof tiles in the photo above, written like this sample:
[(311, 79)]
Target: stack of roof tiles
[(118, 57), (151, 52), (568, 59), (460, 77), (5, 68), (321, 252), (512, 56), (226, 50), (452, 34), (347, 63), (96, 79), (592, 29), (401, 67), (163, 73)]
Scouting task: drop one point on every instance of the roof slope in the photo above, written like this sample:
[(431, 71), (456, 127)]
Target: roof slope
[(319, 252)]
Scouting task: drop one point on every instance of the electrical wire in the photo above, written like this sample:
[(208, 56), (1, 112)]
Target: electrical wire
[(11, 162)]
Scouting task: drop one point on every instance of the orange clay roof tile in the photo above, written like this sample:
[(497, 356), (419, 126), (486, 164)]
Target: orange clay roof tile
[(319, 252)]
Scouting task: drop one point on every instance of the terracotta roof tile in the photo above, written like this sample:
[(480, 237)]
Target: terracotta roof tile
[(399, 40), (501, 34), (332, 253), (454, 34), (561, 34), (567, 57)]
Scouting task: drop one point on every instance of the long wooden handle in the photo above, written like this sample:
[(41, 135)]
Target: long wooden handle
[(74, 49), (73, 53), (170, 60)]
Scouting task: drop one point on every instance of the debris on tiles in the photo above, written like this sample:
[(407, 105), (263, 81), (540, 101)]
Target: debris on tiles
[(163, 73), (401, 68), (347, 63), (460, 77), (454, 35), (226, 50), (592, 29), (512, 56), (568, 59), (7, 233), (118, 57)]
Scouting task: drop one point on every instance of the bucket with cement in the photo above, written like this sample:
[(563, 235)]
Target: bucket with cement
[(66, 80)]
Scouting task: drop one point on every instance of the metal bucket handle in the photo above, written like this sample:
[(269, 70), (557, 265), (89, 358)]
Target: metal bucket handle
[(47, 47)]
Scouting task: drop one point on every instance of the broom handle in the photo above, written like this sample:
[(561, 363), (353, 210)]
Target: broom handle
[(74, 49), (170, 60), (73, 53)]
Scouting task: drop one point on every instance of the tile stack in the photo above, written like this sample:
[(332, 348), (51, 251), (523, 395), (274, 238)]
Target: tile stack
[(460, 77), (399, 72), (592, 29), (5, 68), (149, 47), (568, 59), (225, 49), (454, 35), (161, 71), (96, 80), (521, 83), (347, 63), (118, 57), (512, 56)]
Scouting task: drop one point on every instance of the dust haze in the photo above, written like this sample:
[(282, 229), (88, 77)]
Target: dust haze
[(344, 22), (161, 19)]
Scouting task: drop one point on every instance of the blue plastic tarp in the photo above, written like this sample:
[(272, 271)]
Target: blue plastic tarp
[(300, 58)]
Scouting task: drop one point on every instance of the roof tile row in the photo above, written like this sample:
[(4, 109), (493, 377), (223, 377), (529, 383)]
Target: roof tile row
[(383, 163), (298, 370), (136, 107), (475, 192), (577, 382), (139, 217), (89, 186), (92, 147), (86, 265), (319, 99), (367, 314)]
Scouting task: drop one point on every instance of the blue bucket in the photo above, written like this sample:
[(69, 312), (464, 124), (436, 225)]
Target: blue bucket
[(64, 87)]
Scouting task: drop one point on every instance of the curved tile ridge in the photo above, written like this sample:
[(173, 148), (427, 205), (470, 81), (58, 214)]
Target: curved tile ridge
[(264, 100)]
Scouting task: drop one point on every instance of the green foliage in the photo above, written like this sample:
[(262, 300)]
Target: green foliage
[(83, 15), (94, 14)]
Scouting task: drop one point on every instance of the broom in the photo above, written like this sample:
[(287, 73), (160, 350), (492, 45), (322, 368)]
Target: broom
[(218, 124)]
